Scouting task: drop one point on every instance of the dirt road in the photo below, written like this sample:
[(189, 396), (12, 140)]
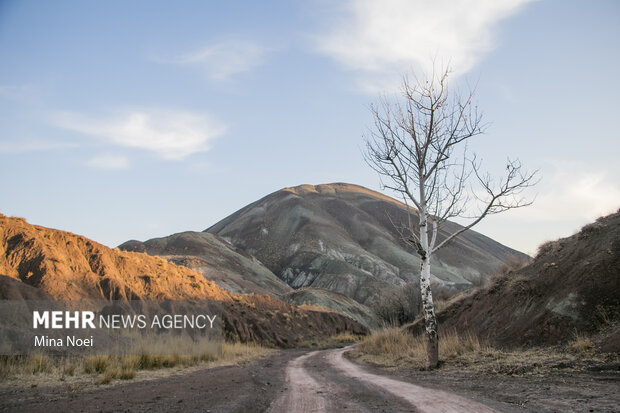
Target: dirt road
[(324, 381)]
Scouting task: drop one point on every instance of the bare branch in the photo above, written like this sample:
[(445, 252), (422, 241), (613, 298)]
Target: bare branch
[(419, 148), (502, 197)]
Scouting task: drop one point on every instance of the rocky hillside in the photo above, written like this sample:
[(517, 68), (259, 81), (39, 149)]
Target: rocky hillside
[(341, 237), (71, 267), (571, 287), (219, 261), (334, 301)]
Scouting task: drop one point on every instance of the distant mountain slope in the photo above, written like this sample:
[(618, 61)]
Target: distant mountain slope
[(571, 286), (47, 263), (341, 237), (217, 260)]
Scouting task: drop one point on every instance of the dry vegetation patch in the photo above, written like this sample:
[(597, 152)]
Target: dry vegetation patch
[(78, 372), (394, 347), (337, 340)]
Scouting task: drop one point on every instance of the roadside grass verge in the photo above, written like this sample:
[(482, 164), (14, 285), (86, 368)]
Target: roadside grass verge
[(392, 347), (33, 370), (337, 340)]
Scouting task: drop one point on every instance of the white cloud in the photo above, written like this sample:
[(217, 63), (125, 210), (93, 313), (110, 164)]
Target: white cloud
[(169, 134), (573, 192), (109, 162), (382, 40), (222, 60), (570, 195)]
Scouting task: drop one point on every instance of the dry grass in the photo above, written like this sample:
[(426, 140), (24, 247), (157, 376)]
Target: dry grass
[(105, 369), (440, 304), (580, 344), (95, 364), (240, 353), (393, 347), (39, 364), (68, 369), (345, 338), (605, 317), (333, 341)]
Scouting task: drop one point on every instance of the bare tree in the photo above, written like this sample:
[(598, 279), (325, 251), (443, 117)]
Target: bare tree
[(419, 148)]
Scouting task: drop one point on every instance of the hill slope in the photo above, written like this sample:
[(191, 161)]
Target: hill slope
[(71, 267), (572, 286), (341, 237)]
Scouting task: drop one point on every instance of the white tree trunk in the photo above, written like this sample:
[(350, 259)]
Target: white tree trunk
[(430, 321)]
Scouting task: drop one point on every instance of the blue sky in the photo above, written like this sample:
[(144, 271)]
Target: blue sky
[(134, 119)]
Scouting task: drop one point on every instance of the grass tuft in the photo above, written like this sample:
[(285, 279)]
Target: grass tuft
[(580, 344), (96, 364), (39, 364)]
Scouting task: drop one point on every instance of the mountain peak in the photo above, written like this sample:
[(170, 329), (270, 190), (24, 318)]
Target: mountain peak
[(338, 188)]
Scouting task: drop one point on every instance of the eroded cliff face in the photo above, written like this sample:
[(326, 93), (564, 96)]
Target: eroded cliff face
[(71, 267), (65, 266)]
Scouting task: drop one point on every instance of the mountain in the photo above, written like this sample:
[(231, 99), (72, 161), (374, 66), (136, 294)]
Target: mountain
[(341, 237), (571, 287), (38, 262)]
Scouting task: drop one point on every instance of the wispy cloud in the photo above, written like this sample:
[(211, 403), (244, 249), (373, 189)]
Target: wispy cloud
[(109, 162), (382, 40), (222, 60), (168, 134)]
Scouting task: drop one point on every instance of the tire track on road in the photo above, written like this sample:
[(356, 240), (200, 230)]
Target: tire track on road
[(423, 399), (302, 393)]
